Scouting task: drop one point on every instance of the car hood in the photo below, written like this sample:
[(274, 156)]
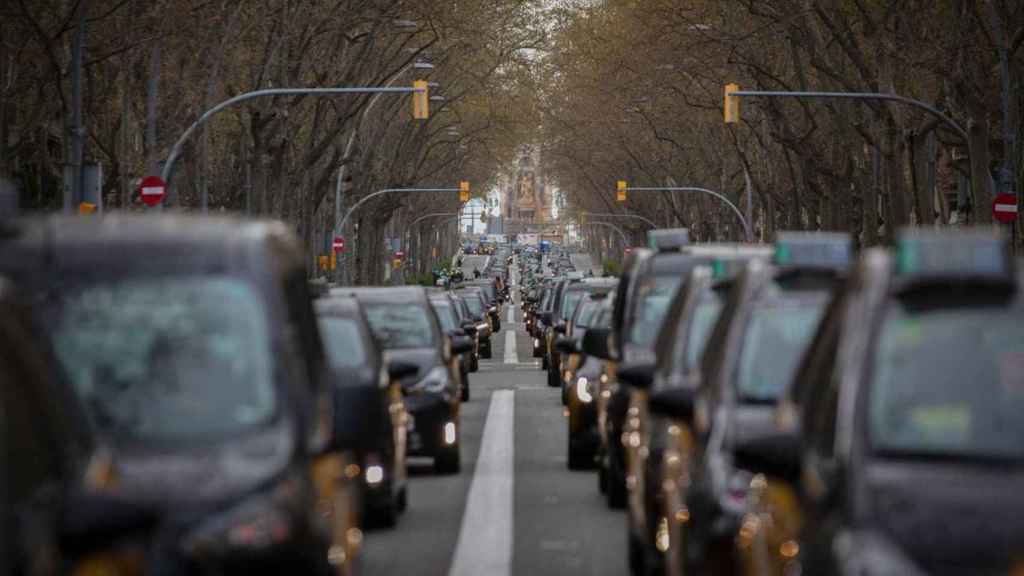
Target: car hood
[(950, 518), (208, 473)]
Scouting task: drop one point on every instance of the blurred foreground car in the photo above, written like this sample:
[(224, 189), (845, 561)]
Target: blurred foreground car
[(902, 435), (196, 351), (369, 416)]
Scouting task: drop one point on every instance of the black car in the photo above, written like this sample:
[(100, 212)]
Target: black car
[(476, 303), (769, 316), (56, 468), (575, 294), (445, 308), (197, 353), (906, 446), (405, 325), (369, 416)]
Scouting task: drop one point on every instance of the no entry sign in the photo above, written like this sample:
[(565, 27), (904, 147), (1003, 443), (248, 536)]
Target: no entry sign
[(1004, 208), (339, 244), (152, 190)]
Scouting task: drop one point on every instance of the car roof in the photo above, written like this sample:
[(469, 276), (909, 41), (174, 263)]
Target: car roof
[(383, 293)]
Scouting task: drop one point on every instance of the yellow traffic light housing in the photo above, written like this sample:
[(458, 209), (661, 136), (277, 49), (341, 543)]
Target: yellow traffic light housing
[(620, 191), (421, 100), (86, 208), (732, 104), (463, 191)]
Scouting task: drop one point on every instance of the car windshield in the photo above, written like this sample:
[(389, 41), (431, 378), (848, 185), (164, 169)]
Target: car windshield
[(778, 331), (168, 359), (705, 314), (585, 314), (445, 315), (653, 299), (399, 326), (949, 381), (569, 302), (476, 307), (342, 341)]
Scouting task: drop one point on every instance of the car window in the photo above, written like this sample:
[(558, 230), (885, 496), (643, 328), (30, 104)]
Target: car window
[(778, 331), (949, 381), (399, 326), (343, 342), (445, 315), (168, 359), (476, 307), (585, 314), (653, 298), (569, 301), (705, 315)]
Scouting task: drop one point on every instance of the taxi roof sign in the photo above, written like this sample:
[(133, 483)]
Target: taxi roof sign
[(668, 239), (825, 250), (953, 255)]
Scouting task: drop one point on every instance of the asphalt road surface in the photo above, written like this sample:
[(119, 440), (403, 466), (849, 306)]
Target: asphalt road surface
[(515, 508)]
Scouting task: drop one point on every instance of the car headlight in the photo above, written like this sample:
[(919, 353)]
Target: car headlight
[(435, 381), (263, 520), (493, 310), (583, 390)]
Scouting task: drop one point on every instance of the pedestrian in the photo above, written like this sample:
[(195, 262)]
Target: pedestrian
[(476, 273)]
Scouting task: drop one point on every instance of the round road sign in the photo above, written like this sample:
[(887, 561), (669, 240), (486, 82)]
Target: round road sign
[(1004, 208), (152, 190), (339, 244)]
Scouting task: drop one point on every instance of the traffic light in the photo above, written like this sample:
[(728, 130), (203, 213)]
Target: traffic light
[(732, 104), (620, 191), (463, 191), (421, 100)]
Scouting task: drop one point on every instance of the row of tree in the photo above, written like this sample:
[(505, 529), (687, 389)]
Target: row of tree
[(151, 67), (634, 91)]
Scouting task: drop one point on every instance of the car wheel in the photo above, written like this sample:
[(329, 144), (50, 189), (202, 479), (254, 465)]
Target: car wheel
[(544, 362), (637, 564), (602, 478), (486, 353), (385, 516), (579, 459), (465, 389), (403, 499), (553, 378), (565, 394), (448, 461), (616, 488)]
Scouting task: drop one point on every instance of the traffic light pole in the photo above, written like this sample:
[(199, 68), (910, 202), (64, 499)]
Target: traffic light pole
[(168, 171), (613, 215), (743, 220)]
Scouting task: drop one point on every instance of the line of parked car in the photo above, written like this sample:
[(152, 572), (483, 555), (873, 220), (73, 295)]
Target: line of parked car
[(799, 408), (177, 398)]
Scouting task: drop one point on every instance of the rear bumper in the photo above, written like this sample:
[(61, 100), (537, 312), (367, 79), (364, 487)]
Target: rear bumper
[(428, 413)]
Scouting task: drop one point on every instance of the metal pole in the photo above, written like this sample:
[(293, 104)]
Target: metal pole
[(726, 201), (338, 192), (73, 196), (613, 215), (168, 171)]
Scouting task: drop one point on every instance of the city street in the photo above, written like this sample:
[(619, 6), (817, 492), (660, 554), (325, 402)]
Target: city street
[(557, 522)]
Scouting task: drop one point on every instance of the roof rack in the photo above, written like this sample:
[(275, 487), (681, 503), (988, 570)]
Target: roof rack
[(818, 250), (668, 240), (972, 255)]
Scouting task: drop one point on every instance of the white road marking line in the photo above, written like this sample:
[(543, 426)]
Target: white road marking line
[(511, 354), (485, 538), (511, 317)]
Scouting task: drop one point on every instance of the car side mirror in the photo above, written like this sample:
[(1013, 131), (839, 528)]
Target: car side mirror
[(469, 328), (461, 345), (399, 369), (566, 345), (639, 374), (776, 454), (595, 343), (674, 402), (561, 328)]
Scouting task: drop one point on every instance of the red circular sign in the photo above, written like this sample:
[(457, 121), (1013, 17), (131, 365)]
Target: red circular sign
[(339, 244), (152, 190), (1004, 208)]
